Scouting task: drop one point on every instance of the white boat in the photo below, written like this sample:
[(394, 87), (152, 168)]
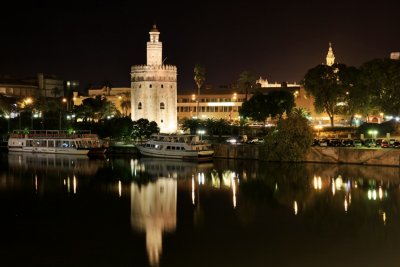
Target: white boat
[(55, 142), (187, 147)]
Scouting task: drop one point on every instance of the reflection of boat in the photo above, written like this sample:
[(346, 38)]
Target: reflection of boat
[(178, 147), (55, 162), (174, 168), (55, 142)]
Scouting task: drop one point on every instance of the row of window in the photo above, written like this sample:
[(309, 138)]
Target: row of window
[(151, 86), (208, 109), (205, 100), (194, 109)]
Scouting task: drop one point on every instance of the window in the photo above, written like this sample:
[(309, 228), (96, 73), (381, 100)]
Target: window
[(150, 86), (162, 85), (140, 86), (139, 105), (162, 105)]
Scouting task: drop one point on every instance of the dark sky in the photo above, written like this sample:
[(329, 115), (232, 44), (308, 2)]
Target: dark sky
[(280, 40)]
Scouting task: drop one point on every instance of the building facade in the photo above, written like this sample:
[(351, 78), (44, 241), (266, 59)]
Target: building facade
[(154, 88)]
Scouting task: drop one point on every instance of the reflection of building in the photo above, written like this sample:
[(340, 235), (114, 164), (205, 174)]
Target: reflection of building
[(154, 89), (153, 210)]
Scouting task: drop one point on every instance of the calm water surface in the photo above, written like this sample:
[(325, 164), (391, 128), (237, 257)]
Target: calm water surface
[(75, 211)]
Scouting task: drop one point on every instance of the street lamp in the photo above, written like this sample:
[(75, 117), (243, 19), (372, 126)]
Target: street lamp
[(201, 132), (318, 128), (373, 133)]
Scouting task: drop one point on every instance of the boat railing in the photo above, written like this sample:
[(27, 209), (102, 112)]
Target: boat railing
[(53, 134)]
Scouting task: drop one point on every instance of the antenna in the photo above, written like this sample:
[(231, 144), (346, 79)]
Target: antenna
[(163, 61)]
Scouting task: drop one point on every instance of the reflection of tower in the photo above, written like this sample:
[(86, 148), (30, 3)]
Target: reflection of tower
[(153, 210)]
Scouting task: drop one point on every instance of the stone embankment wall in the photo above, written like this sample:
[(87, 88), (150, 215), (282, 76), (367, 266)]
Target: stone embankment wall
[(384, 157)]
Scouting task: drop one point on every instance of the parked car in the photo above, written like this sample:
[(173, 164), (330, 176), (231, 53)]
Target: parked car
[(237, 139), (357, 143), (385, 144)]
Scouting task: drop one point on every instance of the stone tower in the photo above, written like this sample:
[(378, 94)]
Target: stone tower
[(330, 57), (153, 88)]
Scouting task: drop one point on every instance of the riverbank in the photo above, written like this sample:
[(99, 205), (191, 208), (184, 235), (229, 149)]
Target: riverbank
[(363, 156)]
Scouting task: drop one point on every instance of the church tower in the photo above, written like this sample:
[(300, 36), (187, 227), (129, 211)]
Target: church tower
[(154, 88), (330, 57)]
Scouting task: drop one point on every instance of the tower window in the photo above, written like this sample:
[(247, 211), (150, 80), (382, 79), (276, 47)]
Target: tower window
[(162, 105), (171, 86), (140, 86), (150, 85), (139, 105)]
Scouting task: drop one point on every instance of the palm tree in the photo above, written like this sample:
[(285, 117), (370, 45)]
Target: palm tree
[(199, 78), (125, 103), (246, 81)]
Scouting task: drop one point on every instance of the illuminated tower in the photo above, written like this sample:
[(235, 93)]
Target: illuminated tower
[(154, 88), (330, 57)]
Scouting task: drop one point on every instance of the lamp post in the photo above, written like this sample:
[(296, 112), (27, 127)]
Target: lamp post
[(201, 132), (318, 128)]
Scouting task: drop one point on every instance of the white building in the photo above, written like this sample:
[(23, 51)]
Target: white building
[(330, 57), (154, 88)]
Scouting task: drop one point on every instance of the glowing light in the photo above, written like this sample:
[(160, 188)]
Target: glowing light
[(119, 188), (339, 183), (317, 183), (333, 187), (296, 210), (193, 195), (68, 185), (380, 193), (74, 182), (36, 183), (384, 218), (345, 205), (220, 104), (233, 191)]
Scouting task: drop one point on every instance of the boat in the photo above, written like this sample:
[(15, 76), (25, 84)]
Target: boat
[(55, 142), (186, 147)]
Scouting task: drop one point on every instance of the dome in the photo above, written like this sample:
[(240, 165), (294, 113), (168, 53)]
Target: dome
[(154, 29)]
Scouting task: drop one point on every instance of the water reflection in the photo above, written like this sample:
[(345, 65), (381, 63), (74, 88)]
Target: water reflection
[(46, 171), (154, 200), (135, 212)]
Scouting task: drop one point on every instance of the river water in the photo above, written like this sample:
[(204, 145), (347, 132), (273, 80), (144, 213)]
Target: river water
[(75, 211)]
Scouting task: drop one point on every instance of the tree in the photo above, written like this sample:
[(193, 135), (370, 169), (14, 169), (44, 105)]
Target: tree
[(328, 85), (142, 129), (126, 103), (199, 78), (305, 113), (290, 141), (255, 108), (380, 79), (192, 125), (246, 82), (279, 102), (260, 106)]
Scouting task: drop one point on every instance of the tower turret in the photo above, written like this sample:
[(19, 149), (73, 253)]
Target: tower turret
[(154, 48)]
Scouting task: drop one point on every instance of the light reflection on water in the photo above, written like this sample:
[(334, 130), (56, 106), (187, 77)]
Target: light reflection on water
[(245, 210)]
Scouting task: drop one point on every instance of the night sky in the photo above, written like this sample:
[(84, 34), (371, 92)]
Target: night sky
[(279, 40)]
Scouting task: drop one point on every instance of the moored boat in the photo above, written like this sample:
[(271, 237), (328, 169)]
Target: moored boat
[(187, 147), (55, 142)]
